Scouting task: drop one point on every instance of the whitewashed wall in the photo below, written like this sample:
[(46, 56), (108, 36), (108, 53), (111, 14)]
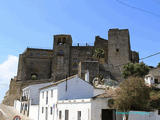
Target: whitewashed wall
[(52, 101), (33, 113), (76, 89), (33, 92), (17, 105), (91, 109), (149, 80), (83, 105)]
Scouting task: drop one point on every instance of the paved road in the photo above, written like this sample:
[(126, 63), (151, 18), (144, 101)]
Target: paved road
[(8, 113)]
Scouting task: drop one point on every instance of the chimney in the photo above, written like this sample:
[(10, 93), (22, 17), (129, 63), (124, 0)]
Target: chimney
[(87, 76)]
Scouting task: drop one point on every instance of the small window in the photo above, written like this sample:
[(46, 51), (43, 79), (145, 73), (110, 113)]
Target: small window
[(59, 40), (47, 97), (66, 114), (51, 110), (64, 40), (117, 50), (34, 76), (51, 93), (25, 107), (156, 81), (79, 115), (42, 109), (60, 115), (158, 111)]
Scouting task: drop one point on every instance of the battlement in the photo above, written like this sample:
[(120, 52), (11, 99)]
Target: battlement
[(116, 29)]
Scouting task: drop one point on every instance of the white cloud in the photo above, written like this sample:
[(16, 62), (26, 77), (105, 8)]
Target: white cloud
[(8, 69)]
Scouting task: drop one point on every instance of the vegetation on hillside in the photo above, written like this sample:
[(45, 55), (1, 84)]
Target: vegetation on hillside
[(98, 53), (133, 94), (154, 98), (158, 66), (136, 70)]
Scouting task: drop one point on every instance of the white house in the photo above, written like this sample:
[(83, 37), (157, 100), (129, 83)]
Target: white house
[(66, 99), (149, 79), (29, 102), (85, 109), (153, 78)]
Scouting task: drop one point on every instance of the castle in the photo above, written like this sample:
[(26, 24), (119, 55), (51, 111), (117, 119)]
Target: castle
[(46, 65)]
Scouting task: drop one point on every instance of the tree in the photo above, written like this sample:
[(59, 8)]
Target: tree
[(99, 53), (158, 66), (133, 94), (137, 70), (155, 98)]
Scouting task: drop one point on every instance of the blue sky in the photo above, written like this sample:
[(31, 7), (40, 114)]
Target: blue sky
[(32, 23)]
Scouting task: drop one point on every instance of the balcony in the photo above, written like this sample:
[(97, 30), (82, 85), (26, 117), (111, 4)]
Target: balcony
[(23, 98)]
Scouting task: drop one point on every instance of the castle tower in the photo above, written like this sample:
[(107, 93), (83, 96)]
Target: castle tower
[(118, 47), (61, 48)]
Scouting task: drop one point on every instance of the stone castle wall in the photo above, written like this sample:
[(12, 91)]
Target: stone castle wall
[(41, 65)]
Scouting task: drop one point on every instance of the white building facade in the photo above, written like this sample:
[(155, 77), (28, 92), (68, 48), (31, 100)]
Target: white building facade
[(149, 79), (69, 99), (83, 109), (29, 102)]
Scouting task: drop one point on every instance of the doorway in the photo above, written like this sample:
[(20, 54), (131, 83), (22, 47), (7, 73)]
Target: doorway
[(108, 114), (46, 117)]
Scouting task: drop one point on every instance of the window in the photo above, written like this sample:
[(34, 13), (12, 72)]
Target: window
[(25, 107), (66, 114), (42, 109), (64, 40), (60, 115), (61, 41), (79, 115), (47, 97), (158, 111), (156, 81), (34, 76), (51, 110), (42, 94), (117, 50), (51, 93), (46, 116)]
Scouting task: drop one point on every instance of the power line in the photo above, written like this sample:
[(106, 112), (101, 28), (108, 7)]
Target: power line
[(150, 56), (136, 8), (139, 59)]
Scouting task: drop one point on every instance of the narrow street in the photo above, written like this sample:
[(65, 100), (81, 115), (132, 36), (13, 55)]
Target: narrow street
[(8, 113)]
